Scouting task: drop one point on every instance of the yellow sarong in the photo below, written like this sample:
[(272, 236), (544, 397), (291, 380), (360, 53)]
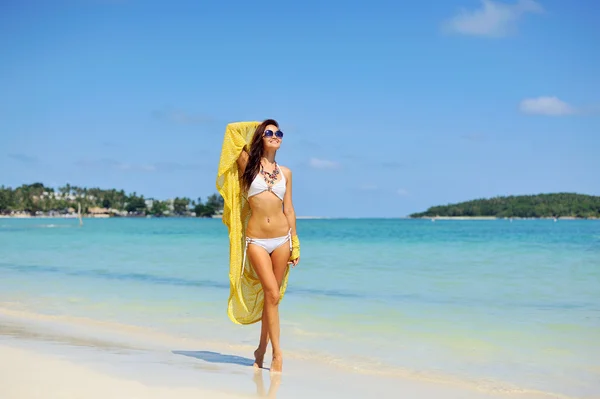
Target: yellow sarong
[(246, 297)]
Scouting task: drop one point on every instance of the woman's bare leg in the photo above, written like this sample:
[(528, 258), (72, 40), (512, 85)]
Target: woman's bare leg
[(279, 260), (259, 353), (264, 269), (263, 342)]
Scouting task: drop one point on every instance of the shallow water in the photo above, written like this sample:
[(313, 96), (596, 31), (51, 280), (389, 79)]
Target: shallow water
[(516, 303)]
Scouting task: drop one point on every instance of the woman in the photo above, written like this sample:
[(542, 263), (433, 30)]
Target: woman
[(262, 223)]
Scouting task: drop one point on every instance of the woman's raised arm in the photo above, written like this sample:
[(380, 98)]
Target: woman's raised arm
[(242, 160)]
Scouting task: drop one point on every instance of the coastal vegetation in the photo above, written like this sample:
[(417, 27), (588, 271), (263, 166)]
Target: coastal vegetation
[(522, 206), (37, 199)]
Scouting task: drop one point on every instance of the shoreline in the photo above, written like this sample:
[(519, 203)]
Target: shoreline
[(112, 357)]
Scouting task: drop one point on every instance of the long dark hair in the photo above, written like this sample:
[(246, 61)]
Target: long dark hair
[(256, 153)]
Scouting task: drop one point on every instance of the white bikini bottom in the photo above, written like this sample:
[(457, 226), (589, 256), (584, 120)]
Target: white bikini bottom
[(269, 244)]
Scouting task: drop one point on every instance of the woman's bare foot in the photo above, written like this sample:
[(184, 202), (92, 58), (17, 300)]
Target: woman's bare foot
[(277, 363), (259, 356)]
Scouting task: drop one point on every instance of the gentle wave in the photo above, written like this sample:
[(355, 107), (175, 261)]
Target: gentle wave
[(312, 292), (144, 277)]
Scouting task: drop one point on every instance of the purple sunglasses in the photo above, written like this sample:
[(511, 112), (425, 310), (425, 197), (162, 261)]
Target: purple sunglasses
[(278, 134)]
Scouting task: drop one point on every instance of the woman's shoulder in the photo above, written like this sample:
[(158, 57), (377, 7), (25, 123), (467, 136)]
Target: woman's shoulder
[(285, 170)]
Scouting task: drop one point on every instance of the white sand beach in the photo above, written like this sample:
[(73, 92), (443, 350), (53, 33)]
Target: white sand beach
[(28, 375), (43, 356)]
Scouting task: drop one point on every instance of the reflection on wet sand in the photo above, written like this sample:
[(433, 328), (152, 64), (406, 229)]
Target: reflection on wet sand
[(260, 385), (257, 377)]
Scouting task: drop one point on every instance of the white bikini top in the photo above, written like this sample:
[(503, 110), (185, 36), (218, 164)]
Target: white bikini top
[(259, 185)]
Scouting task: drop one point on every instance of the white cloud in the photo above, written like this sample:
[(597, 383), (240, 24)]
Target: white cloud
[(493, 19), (551, 106), (323, 164), (402, 192)]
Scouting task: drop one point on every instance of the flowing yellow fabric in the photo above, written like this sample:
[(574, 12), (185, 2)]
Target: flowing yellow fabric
[(295, 248), (246, 298)]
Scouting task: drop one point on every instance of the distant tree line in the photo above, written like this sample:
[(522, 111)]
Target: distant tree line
[(523, 206), (39, 199)]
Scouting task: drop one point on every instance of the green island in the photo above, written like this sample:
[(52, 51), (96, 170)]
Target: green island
[(558, 205), (38, 200)]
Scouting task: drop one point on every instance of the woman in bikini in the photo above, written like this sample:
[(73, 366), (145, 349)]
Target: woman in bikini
[(270, 228)]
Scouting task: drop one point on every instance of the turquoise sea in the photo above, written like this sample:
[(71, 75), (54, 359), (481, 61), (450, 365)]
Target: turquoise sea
[(514, 305)]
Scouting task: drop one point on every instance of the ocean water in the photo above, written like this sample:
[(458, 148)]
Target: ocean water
[(511, 305)]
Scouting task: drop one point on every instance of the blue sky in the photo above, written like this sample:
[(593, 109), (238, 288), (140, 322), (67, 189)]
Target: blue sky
[(388, 107)]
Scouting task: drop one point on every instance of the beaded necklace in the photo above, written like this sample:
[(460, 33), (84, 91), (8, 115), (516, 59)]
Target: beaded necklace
[(270, 178)]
